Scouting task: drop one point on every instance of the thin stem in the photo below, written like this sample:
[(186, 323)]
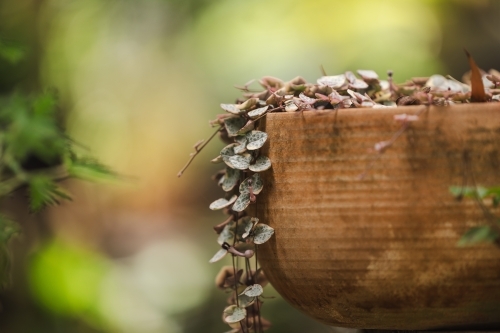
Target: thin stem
[(197, 148), (390, 142)]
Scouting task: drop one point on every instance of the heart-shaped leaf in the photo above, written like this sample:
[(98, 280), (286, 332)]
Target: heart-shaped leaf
[(255, 182), (334, 82), (240, 162), (245, 301), (262, 233), (227, 152), (358, 84), (290, 106), (307, 100), (222, 203), (242, 202), (250, 125), (262, 163), (248, 104), (230, 179), (227, 234), (234, 124), (232, 108), (234, 314), (256, 139), (218, 256), (241, 140), (253, 290), (368, 75), (257, 112), (249, 224)]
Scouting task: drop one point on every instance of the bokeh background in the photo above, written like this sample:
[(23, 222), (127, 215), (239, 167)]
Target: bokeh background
[(138, 82)]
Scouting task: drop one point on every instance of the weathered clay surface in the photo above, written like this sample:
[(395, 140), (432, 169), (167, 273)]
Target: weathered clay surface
[(380, 252)]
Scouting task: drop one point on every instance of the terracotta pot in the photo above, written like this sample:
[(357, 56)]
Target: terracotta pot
[(380, 252)]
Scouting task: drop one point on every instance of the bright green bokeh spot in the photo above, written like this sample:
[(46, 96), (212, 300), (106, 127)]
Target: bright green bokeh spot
[(66, 279)]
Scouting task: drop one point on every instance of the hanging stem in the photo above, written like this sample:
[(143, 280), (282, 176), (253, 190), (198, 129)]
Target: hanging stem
[(197, 148)]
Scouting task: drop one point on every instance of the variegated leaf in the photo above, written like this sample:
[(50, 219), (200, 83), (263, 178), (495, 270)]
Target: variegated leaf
[(239, 162), (257, 112), (241, 140), (234, 124), (230, 179), (249, 226), (234, 314), (232, 108), (245, 225), (248, 103), (227, 234), (250, 125), (242, 202), (307, 100), (262, 163), (256, 139), (290, 106), (358, 84), (253, 290), (222, 203), (334, 82), (218, 256), (255, 182), (262, 233), (245, 301), (368, 75), (227, 152)]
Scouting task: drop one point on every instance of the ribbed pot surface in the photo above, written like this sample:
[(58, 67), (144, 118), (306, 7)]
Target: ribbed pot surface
[(380, 251)]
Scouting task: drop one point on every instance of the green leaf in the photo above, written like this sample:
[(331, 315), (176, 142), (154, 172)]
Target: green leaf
[(8, 229), (12, 52), (478, 234), (470, 191), (45, 192), (90, 169)]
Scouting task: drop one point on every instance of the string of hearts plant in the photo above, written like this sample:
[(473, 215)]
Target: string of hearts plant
[(240, 234)]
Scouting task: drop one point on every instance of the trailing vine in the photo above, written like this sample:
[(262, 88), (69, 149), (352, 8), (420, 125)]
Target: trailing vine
[(240, 234)]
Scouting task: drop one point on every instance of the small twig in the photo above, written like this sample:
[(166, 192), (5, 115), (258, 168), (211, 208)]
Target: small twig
[(323, 70), (387, 144), (197, 147)]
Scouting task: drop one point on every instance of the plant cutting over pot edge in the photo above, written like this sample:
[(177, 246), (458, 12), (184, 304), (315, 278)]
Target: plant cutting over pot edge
[(358, 200)]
